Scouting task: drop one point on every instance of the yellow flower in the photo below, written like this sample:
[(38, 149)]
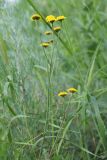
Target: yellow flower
[(60, 18), (57, 29), (35, 17), (45, 44), (62, 94), (50, 19), (72, 90), (48, 32)]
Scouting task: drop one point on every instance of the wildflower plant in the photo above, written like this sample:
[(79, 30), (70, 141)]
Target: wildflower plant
[(72, 90), (50, 19), (60, 18), (51, 56), (48, 32), (35, 17), (62, 94), (56, 29), (43, 114)]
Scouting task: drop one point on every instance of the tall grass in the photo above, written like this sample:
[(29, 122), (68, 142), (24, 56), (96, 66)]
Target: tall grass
[(35, 123)]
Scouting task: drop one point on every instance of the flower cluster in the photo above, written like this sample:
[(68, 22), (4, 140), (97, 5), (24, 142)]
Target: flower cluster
[(52, 18), (65, 93), (49, 19)]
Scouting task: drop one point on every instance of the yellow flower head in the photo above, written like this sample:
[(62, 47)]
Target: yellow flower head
[(45, 44), (57, 29), (50, 19), (48, 32), (35, 17), (62, 94), (72, 90), (60, 18)]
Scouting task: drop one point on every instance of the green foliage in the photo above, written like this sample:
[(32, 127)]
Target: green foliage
[(34, 122)]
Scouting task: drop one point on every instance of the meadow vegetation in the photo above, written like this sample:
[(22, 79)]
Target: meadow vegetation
[(53, 80)]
